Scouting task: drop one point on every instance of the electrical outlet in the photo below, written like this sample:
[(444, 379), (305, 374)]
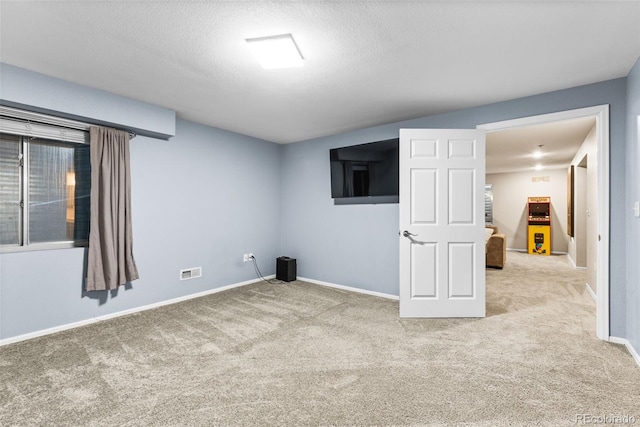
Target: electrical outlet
[(247, 257)]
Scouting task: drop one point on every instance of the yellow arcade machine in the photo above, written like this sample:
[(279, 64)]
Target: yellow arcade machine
[(539, 225)]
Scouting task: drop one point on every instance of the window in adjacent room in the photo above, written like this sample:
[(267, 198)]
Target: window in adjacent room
[(45, 183), (488, 204)]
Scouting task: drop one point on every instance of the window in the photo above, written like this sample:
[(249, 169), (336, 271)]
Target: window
[(488, 204), (45, 185)]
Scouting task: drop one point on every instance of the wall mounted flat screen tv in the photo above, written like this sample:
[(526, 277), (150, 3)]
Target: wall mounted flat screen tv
[(365, 173)]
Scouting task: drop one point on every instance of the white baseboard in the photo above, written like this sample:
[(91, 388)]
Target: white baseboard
[(573, 263), (73, 325), (349, 288), (626, 343), (593, 294)]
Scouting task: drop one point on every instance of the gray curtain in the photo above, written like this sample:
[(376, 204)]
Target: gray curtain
[(110, 262)]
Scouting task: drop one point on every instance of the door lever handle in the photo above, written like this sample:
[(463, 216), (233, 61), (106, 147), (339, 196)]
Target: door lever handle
[(405, 233)]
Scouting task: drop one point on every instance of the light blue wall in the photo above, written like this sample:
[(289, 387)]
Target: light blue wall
[(203, 198), (633, 195), (22, 88), (358, 245), (207, 196)]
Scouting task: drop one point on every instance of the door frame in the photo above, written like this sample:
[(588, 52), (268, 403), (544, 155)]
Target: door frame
[(601, 113)]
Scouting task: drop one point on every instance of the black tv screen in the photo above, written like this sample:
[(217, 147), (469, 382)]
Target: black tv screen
[(539, 209), (366, 173)]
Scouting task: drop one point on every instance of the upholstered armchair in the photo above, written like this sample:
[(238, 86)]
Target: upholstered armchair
[(496, 249)]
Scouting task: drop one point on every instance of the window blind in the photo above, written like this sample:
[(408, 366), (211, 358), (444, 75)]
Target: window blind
[(26, 123), (9, 190)]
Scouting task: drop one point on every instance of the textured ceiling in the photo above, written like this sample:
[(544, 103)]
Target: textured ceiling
[(366, 62)]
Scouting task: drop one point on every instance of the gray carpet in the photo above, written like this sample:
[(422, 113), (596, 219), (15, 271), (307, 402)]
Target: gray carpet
[(301, 354)]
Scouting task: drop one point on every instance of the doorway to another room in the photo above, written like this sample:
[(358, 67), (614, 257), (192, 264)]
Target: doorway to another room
[(580, 211)]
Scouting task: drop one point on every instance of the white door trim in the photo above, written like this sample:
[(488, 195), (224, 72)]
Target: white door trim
[(601, 112)]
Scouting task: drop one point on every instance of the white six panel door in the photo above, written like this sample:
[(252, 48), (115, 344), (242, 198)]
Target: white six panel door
[(442, 245)]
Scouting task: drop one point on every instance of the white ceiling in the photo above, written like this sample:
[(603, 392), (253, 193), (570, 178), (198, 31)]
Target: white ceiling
[(512, 150), (366, 62)]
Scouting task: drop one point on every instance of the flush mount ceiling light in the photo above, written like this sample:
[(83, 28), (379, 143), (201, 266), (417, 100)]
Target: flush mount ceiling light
[(276, 51), (538, 153)]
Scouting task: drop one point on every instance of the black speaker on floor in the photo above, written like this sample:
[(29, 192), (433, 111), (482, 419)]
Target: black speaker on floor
[(286, 269)]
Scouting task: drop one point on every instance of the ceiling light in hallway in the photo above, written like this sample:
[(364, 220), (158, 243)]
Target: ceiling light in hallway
[(538, 153)]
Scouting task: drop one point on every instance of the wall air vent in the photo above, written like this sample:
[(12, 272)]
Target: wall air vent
[(191, 273)]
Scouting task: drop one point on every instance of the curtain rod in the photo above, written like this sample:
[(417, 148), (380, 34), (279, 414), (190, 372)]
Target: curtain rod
[(16, 113)]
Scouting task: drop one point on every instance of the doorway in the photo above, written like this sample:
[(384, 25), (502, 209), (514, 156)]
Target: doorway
[(601, 114)]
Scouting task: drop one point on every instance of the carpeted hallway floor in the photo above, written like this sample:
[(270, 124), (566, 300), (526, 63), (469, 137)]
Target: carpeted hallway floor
[(301, 354)]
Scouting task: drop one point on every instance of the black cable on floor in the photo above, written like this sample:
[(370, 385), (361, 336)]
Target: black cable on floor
[(270, 281)]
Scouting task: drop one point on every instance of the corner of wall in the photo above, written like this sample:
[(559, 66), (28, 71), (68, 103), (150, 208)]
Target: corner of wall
[(632, 297)]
